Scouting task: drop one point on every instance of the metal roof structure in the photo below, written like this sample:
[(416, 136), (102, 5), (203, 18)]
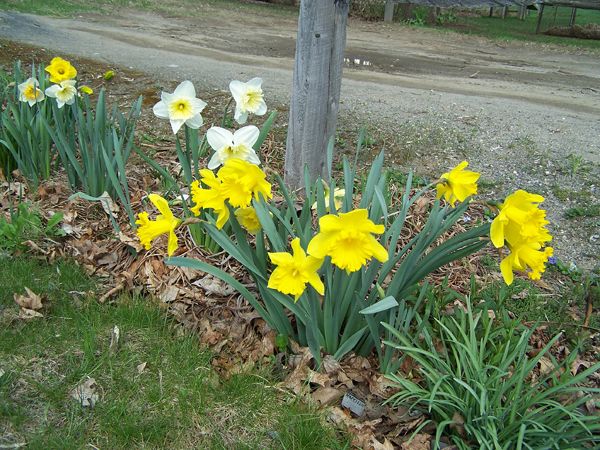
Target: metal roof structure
[(582, 4), (469, 3)]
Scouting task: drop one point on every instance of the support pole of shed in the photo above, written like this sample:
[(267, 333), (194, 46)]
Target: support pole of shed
[(504, 12), (539, 21), (388, 12), (491, 11), (572, 20)]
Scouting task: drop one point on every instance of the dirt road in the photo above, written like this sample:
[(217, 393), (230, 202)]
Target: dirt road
[(529, 112)]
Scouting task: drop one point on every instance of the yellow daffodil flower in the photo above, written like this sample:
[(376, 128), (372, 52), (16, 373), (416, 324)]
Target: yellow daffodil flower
[(229, 145), (64, 92), (242, 181), (29, 92), (86, 90), (348, 239), (213, 198), (458, 184), (520, 219), (338, 197), (165, 223), (180, 107), (248, 99), (293, 271), (108, 75), (527, 257), (60, 70), (248, 219), (235, 183)]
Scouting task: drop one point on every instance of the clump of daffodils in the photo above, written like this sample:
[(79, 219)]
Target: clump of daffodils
[(349, 240), (521, 227)]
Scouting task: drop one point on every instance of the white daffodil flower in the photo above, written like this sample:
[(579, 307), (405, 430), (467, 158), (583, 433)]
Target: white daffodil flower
[(180, 107), (64, 92), (248, 99), (29, 91), (232, 145)]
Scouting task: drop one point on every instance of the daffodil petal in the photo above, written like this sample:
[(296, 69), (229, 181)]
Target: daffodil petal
[(218, 138), (506, 270), (237, 89), (315, 281), (319, 245), (280, 258), (162, 205), (185, 89), (176, 125), (194, 122), (172, 244), (246, 135)]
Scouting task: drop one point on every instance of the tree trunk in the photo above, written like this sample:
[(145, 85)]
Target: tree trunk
[(316, 90)]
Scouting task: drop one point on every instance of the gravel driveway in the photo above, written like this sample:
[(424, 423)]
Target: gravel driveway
[(526, 116)]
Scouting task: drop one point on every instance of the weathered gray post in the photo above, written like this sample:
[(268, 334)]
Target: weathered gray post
[(388, 12), (316, 87)]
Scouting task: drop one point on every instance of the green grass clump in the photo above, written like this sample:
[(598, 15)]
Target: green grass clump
[(564, 194), (26, 223), (512, 28), (178, 8), (482, 388), (175, 400), (583, 211)]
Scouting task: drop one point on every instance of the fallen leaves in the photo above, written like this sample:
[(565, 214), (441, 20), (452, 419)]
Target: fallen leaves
[(354, 391), (30, 304), (85, 393), (115, 337), (141, 367)]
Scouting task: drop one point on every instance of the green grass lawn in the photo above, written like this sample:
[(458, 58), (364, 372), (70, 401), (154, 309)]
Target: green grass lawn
[(156, 389), (512, 28), (181, 8)]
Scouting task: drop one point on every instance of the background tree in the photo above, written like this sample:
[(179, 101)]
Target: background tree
[(316, 86)]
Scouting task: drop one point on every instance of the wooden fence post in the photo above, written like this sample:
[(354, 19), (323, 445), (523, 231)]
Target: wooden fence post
[(316, 87)]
